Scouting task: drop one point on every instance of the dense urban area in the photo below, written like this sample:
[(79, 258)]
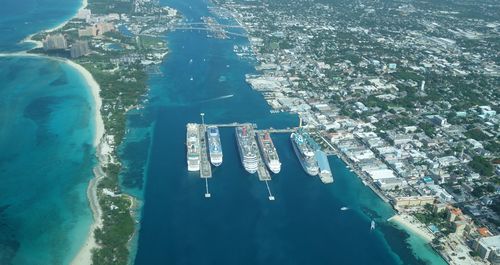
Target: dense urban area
[(406, 92)]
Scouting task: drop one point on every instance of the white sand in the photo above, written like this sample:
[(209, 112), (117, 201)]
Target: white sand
[(38, 44), (411, 224), (82, 6), (84, 255), (95, 90)]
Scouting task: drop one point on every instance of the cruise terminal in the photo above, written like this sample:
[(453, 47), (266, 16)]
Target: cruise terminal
[(256, 149)]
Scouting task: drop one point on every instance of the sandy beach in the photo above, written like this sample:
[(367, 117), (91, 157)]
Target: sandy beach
[(38, 44), (84, 256), (412, 225)]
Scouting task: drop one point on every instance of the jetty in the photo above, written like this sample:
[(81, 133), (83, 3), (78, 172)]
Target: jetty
[(205, 168)]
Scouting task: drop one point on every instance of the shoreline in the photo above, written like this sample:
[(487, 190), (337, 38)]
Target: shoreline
[(84, 254), (38, 44), (410, 224)]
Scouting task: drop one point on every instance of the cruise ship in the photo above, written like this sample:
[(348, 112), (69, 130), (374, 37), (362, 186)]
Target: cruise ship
[(214, 146), (269, 152), (303, 146), (193, 147), (247, 148), (325, 173)]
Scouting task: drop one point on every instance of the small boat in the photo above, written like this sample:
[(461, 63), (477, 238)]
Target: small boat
[(344, 208), (372, 225), (191, 79), (191, 61)]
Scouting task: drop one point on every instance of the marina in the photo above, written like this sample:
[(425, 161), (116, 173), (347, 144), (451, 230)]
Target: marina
[(256, 150)]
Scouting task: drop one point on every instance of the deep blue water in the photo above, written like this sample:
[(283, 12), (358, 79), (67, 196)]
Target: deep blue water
[(239, 225), (18, 19), (46, 136)]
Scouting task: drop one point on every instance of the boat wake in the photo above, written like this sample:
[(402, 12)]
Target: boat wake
[(217, 98)]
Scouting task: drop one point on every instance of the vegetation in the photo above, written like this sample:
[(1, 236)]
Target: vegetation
[(428, 129), (476, 134), (118, 224), (122, 85), (107, 7), (440, 219), (481, 165)]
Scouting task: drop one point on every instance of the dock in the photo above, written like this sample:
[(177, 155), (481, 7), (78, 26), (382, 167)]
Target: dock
[(205, 168), (263, 173), (271, 130), (231, 125)]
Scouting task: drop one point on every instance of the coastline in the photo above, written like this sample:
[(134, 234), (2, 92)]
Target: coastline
[(38, 44), (410, 224), (84, 255)]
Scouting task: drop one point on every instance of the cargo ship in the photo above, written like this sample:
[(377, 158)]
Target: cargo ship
[(247, 148), (214, 145), (269, 152), (325, 173), (304, 148), (193, 147)]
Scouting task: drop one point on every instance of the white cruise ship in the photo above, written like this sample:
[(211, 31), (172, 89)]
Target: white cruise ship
[(302, 145), (247, 148), (214, 145), (269, 152), (193, 147)]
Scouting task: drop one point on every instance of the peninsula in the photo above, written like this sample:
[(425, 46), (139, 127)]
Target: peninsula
[(114, 45)]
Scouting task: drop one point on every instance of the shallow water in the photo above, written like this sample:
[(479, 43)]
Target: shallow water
[(46, 136)]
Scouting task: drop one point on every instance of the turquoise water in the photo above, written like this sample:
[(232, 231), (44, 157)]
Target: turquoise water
[(239, 225), (46, 135)]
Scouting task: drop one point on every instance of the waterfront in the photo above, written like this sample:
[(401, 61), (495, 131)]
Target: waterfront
[(238, 224)]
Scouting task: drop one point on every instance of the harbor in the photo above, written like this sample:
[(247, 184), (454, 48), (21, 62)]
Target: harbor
[(256, 149)]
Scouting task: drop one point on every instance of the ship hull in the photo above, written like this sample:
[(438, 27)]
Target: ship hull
[(248, 159), (250, 169), (215, 162), (274, 168), (193, 167), (193, 148), (312, 171), (273, 164), (214, 146)]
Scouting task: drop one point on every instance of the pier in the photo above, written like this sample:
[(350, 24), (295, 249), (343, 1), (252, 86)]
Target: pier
[(271, 197), (205, 168), (263, 172), (231, 125), (271, 130)]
